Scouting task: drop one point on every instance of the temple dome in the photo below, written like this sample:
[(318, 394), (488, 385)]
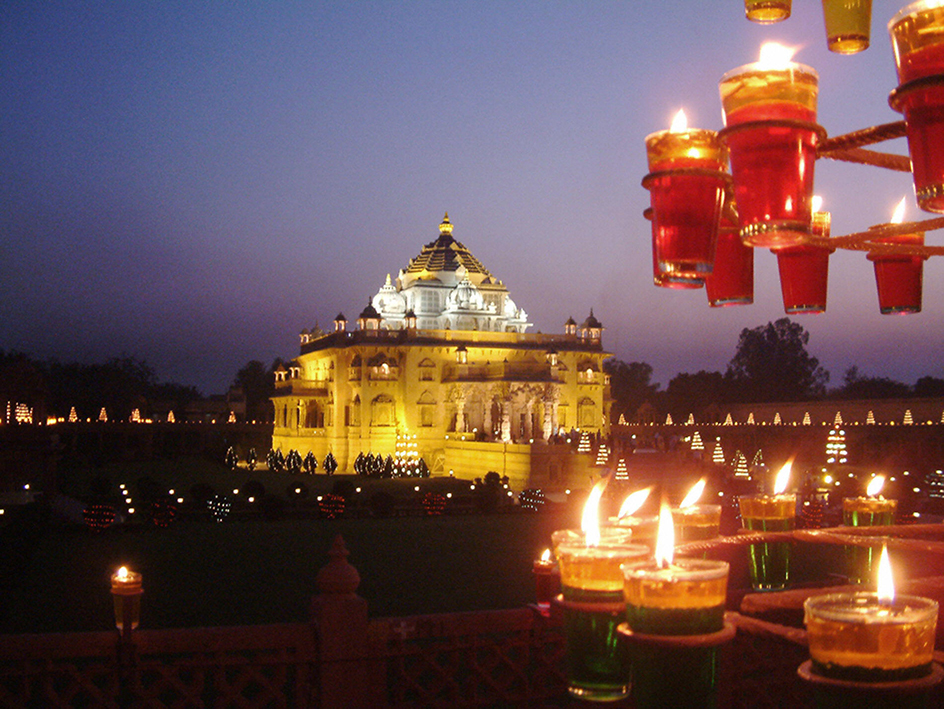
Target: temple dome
[(442, 259)]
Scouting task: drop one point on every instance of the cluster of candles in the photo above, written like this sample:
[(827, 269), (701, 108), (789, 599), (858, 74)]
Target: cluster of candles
[(636, 617), (706, 220)]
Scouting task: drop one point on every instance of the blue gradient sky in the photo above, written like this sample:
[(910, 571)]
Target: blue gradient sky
[(194, 183)]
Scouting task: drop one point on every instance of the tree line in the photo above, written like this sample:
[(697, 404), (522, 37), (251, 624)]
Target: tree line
[(770, 363), (119, 385)]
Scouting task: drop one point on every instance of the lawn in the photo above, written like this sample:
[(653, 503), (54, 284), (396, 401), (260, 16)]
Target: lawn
[(247, 571)]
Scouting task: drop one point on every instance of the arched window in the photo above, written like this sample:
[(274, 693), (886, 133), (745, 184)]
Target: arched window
[(382, 411), (586, 413)]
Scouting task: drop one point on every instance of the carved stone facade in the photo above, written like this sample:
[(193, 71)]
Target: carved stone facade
[(442, 357)]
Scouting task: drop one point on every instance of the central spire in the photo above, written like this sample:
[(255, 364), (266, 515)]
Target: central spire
[(445, 227)]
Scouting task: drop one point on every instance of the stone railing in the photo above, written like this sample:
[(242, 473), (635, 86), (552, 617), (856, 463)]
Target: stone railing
[(343, 659)]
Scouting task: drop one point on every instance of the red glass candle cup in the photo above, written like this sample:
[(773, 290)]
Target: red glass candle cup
[(899, 276), (731, 282), (922, 103), (546, 581), (686, 206), (667, 280), (772, 168), (917, 34), (770, 115), (804, 271)]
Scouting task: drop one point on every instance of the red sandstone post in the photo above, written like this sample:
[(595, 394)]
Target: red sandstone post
[(348, 677)]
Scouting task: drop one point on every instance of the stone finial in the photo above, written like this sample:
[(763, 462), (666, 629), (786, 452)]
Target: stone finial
[(338, 576)]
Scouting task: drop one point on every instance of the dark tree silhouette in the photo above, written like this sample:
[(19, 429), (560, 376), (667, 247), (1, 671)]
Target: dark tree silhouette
[(929, 386), (691, 393), (771, 363), (856, 386), (630, 386), (258, 385)]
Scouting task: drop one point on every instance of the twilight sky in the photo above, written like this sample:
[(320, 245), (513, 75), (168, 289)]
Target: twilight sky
[(194, 183)]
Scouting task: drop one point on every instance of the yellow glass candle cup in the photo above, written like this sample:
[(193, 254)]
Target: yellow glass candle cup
[(691, 148), (593, 607), (769, 561), (765, 12), (854, 636), (696, 523), (644, 529)]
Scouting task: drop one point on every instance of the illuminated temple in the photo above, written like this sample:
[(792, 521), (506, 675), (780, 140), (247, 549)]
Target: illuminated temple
[(441, 358)]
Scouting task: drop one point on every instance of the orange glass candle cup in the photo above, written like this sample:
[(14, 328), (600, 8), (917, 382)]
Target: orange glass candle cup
[(770, 115), (765, 12), (126, 590), (593, 607), (848, 25), (917, 34), (769, 561), (731, 281), (858, 637), (899, 277)]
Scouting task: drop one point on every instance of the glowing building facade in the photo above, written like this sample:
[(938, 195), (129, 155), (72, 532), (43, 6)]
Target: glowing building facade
[(442, 355)]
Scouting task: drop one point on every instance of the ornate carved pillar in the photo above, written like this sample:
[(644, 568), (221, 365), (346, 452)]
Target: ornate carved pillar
[(460, 412), (487, 415)]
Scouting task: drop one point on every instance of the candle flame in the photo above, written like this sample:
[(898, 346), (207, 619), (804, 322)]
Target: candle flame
[(692, 497), (886, 584), (817, 203), (122, 573), (783, 478), (775, 56), (633, 502), (898, 216), (590, 520), (665, 538), (679, 122), (546, 556), (875, 486)]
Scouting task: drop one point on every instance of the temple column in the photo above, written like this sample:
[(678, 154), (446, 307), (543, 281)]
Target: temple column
[(460, 414)]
